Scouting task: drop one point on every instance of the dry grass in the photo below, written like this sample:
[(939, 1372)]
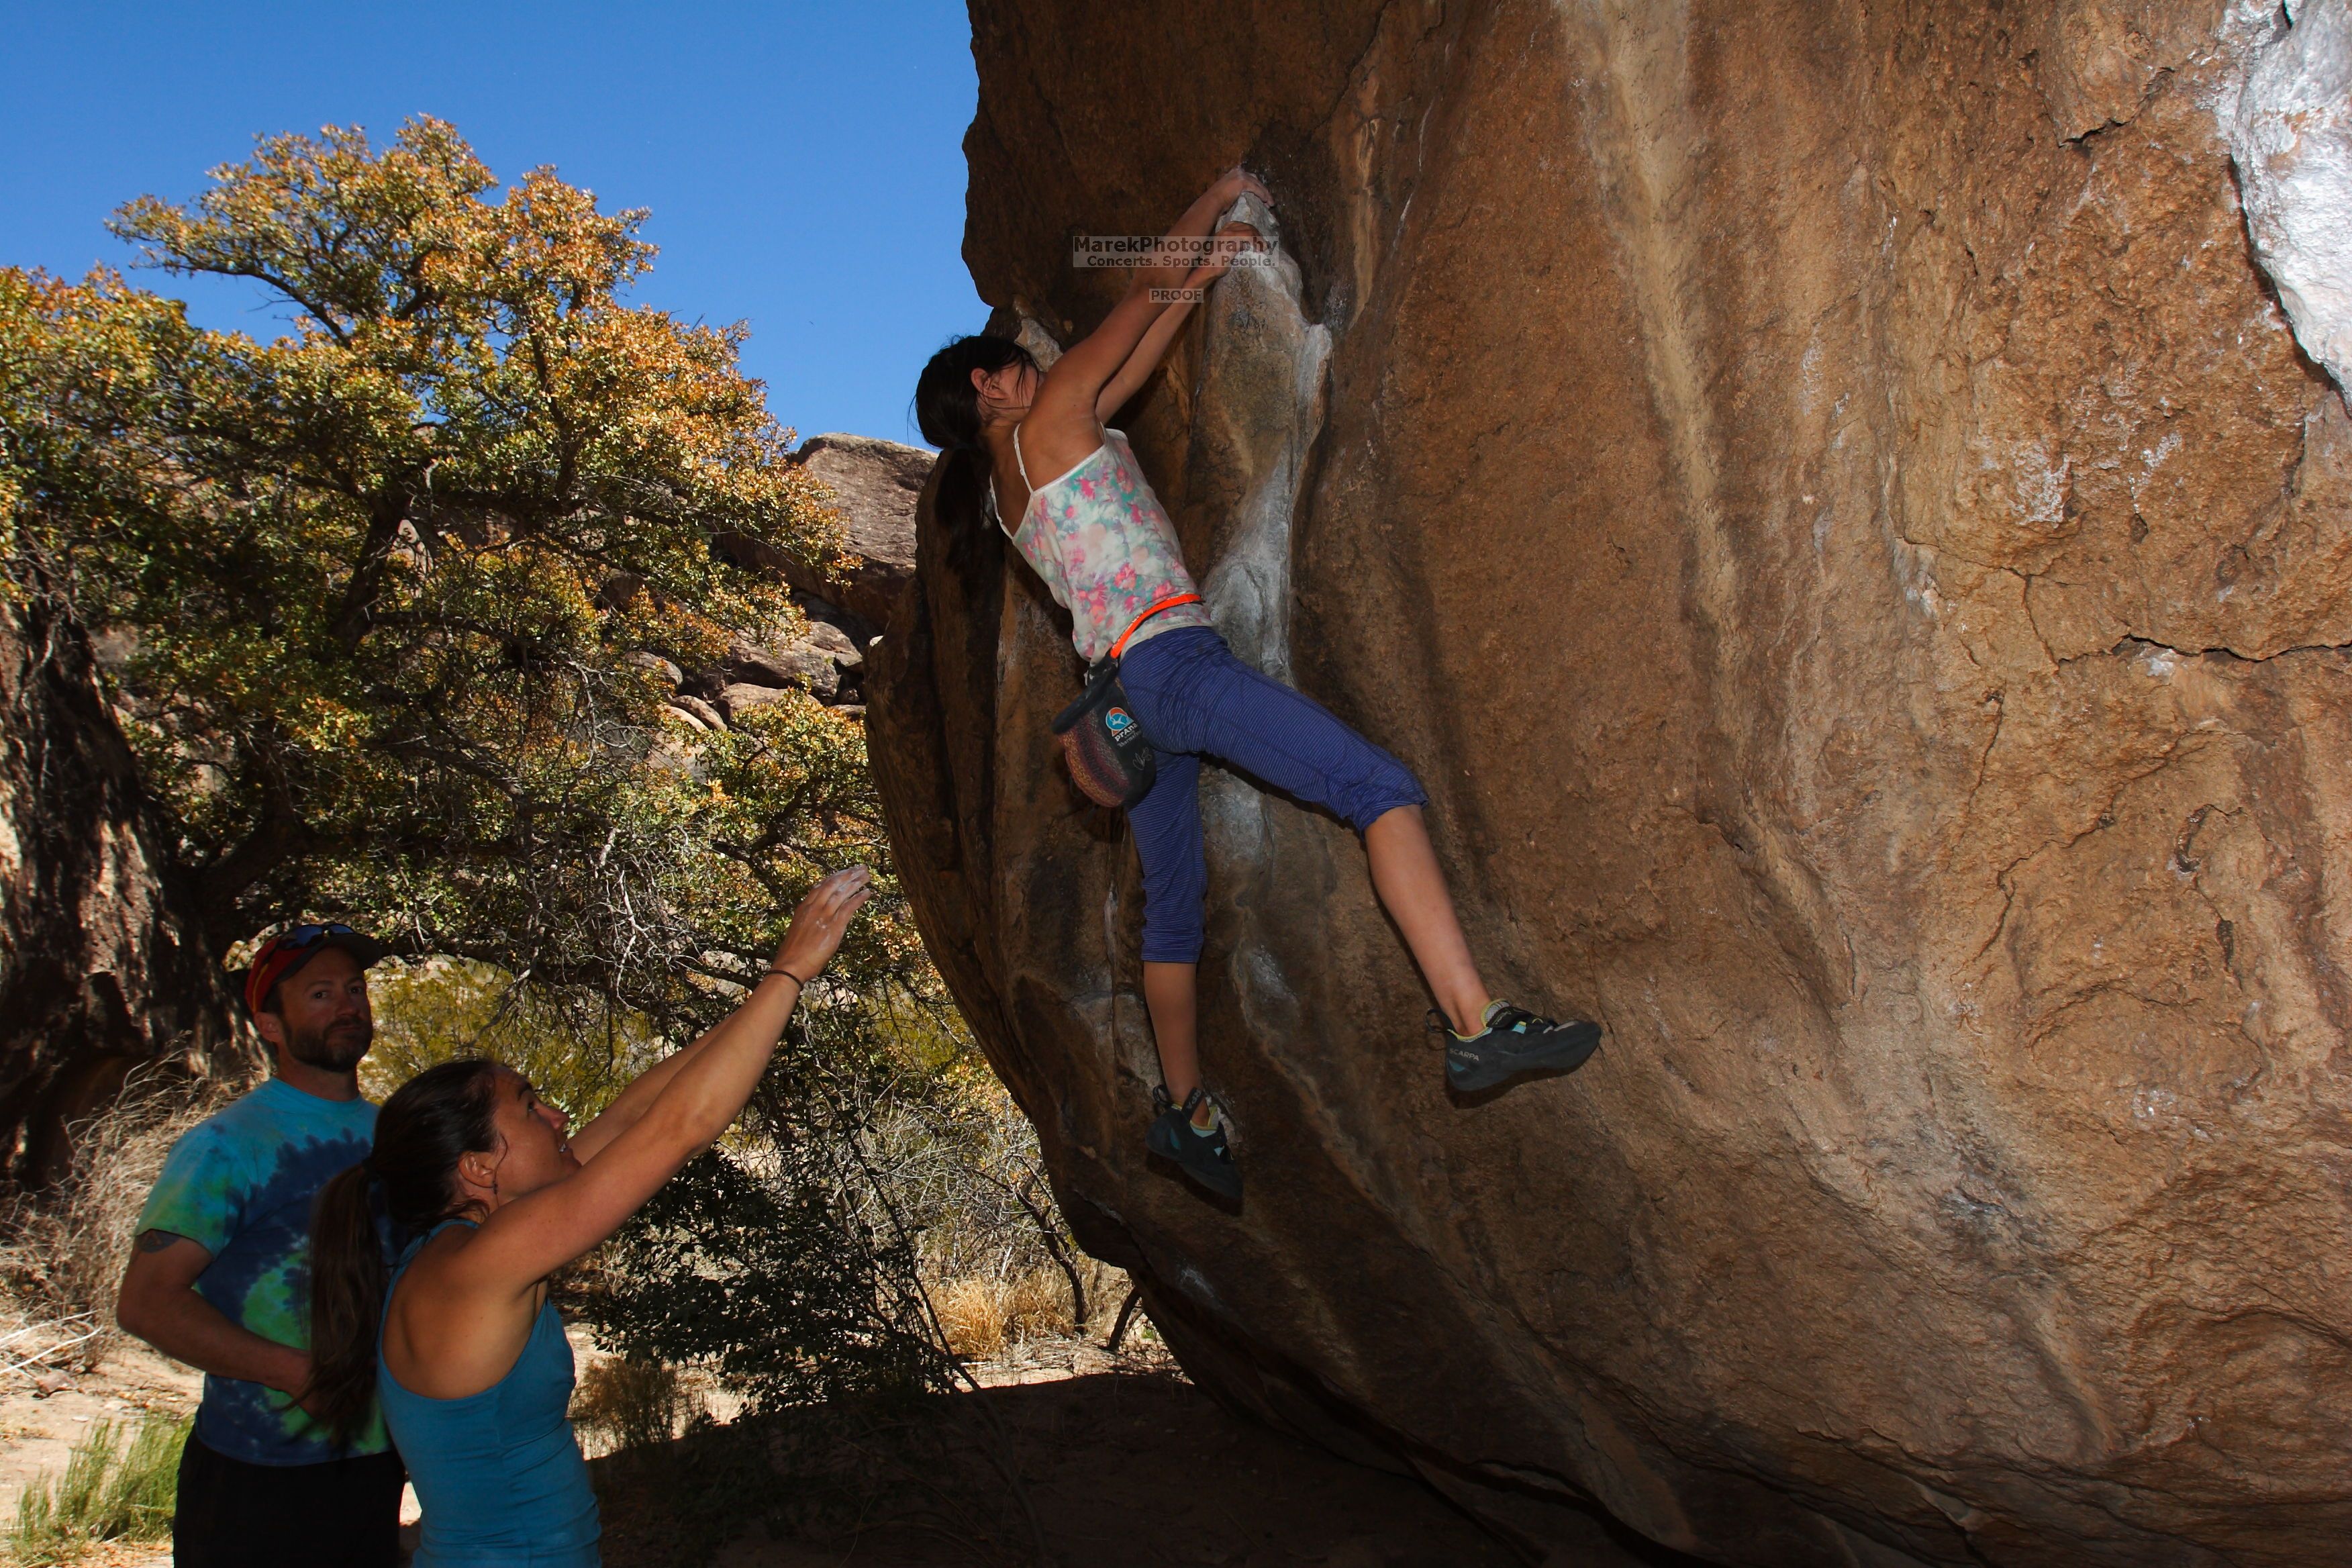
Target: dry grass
[(973, 1312), (632, 1404), (1037, 1304), (62, 1252), (960, 1167), (985, 1315)]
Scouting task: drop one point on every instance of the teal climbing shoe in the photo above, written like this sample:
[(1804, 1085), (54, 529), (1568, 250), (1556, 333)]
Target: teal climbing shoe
[(1204, 1157), (1513, 1041)]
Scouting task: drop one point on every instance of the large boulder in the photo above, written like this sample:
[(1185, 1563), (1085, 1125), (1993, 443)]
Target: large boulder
[(1826, 499)]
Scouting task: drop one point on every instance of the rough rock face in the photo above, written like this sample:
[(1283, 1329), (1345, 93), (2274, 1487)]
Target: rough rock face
[(1827, 501), (102, 960)]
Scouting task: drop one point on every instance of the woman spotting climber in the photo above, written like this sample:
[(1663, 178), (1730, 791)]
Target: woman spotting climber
[(490, 1192), (1105, 547)]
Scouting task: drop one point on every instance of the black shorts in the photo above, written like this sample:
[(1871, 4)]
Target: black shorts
[(344, 1514)]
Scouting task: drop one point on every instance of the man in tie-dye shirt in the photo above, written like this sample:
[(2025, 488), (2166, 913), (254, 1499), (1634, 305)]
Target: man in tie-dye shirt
[(220, 1278)]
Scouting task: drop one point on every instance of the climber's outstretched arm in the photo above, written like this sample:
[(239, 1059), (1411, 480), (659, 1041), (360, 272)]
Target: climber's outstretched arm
[(1144, 360), (1073, 388), (1147, 355)]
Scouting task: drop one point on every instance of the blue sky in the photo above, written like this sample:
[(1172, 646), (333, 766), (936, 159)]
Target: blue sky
[(802, 161)]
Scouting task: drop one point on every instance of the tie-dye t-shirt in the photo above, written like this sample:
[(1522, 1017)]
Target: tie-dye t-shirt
[(240, 1185)]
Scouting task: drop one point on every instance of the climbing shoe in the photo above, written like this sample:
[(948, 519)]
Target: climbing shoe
[(1205, 1157), (1513, 1041)]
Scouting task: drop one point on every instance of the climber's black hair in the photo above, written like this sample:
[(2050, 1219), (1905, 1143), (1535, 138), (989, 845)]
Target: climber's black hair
[(947, 404), (947, 411)]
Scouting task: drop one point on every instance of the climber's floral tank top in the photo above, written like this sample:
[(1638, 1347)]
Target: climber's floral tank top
[(1105, 547)]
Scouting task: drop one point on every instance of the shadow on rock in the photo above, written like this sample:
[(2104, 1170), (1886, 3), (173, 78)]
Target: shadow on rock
[(1121, 1469)]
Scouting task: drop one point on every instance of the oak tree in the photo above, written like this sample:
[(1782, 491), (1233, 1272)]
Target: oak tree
[(394, 596)]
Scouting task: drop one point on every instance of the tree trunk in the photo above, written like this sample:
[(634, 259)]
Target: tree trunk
[(102, 961)]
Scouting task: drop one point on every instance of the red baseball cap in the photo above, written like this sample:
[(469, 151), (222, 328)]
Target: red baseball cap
[(289, 950)]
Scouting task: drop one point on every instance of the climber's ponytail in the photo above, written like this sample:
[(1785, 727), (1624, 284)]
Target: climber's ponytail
[(946, 410), (410, 1179)]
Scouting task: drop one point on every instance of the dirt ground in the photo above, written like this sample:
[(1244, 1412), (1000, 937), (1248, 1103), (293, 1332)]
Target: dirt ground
[(38, 1427), (1124, 1462)]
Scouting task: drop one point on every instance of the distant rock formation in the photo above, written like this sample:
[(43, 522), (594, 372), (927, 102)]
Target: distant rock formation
[(875, 484), (1828, 500)]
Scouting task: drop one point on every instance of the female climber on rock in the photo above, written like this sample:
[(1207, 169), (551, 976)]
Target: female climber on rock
[(1104, 545)]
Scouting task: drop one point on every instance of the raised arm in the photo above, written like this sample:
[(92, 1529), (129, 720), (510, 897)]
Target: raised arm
[(706, 1088), (1153, 348), (632, 1102), (1142, 361), (1064, 411)]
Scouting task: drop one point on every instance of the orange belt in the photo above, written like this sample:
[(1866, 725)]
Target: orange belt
[(1170, 603)]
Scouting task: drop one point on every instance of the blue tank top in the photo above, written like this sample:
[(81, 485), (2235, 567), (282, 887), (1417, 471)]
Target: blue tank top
[(499, 1473)]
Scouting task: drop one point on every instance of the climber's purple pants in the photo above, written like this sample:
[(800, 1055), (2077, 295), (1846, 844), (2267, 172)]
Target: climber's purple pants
[(1196, 700)]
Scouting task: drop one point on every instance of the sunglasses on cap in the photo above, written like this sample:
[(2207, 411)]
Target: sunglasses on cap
[(304, 935), (289, 950)]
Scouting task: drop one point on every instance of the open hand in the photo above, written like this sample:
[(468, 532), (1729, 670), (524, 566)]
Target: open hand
[(821, 920)]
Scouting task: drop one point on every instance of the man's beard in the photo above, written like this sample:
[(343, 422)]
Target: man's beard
[(338, 1047)]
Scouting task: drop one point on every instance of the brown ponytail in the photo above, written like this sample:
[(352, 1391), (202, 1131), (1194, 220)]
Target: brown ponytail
[(431, 1120), (347, 1283)]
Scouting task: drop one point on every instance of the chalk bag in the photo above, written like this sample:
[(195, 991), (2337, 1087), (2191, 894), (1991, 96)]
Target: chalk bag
[(1110, 758)]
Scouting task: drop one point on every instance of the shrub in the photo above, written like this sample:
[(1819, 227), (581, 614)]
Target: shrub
[(578, 1051), (748, 1262), (951, 1157), (632, 1403)]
